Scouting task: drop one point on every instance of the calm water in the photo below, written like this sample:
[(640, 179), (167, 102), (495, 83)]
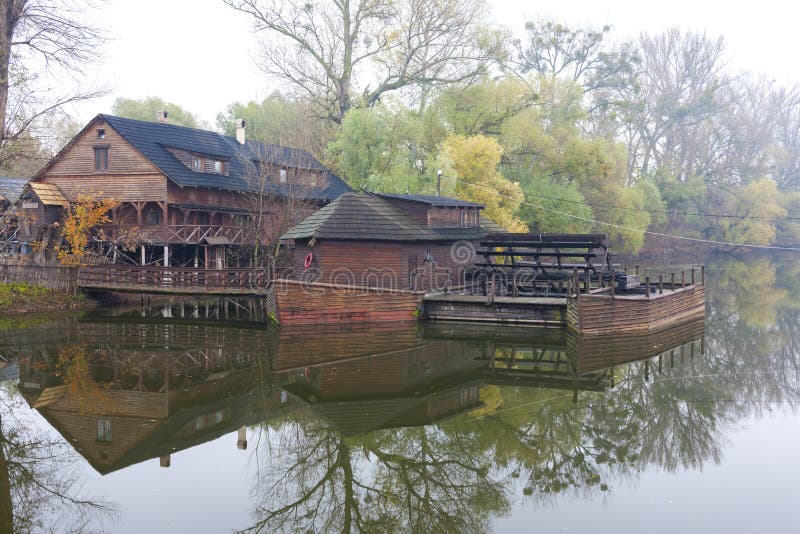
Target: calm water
[(125, 421)]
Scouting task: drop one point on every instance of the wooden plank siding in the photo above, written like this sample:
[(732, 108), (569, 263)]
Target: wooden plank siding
[(314, 303), (381, 264), (123, 158), (602, 313), (120, 187)]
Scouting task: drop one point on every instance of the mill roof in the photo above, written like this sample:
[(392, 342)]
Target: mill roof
[(366, 216), (153, 139), (431, 200)]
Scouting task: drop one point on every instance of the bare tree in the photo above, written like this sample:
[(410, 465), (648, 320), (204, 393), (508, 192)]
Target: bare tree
[(37, 36), (324, 49)]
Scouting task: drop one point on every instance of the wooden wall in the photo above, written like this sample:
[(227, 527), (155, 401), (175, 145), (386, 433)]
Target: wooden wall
[(130, 176), (601, 313), (317, 303), (380, 264)]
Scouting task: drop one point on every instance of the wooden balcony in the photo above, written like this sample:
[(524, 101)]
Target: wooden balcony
[(181, 234)]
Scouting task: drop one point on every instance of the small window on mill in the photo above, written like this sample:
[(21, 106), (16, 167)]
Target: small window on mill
[(101, 158), (103, 429), (101, 134), (283, 176)]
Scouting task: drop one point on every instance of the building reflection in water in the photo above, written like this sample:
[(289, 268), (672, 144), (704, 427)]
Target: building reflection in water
[(124, 391)]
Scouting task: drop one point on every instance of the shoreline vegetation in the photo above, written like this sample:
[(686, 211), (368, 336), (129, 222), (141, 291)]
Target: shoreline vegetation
[(20, 299)]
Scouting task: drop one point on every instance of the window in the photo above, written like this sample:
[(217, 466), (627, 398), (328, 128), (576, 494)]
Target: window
[(464, 217), (241, 220), (197, 165), (203, 218), (153, 217), (218, 167), (101, 134), (103, 429), (101, 158), (283, 176)]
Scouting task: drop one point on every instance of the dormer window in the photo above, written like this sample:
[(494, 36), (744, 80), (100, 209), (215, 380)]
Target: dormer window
[(283, 176), (218, 167), (197, 165)]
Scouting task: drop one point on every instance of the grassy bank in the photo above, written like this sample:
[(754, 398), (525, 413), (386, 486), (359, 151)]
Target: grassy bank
[(21, 298)]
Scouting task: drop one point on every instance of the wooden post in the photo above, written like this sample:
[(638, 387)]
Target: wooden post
[(613, 285), (683, 279), (143, 257), (703, 274), (586, 285), (647, 286), (692, 276), (241, 438), (636, 272), (660, 284), (166, 255), (672, 281)]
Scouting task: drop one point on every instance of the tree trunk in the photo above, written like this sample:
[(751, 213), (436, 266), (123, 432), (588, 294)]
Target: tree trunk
[(6, 509)]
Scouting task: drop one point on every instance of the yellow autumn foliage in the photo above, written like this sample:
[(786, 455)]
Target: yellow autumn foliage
[(475, 160), (83, 215)]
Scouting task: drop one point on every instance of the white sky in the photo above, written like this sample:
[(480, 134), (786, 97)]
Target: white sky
[(200, 53)]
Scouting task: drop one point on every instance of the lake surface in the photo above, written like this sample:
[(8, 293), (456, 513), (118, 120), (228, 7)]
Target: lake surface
[(129, 421)]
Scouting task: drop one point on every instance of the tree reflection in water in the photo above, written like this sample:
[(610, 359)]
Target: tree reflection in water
[(441, 431), (40, 486)]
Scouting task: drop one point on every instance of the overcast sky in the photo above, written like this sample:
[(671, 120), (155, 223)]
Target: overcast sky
[(200, 53)]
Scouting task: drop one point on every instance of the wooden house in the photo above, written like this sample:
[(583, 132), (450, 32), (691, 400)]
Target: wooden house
[(10, 191), (186, 196), (391, 241)]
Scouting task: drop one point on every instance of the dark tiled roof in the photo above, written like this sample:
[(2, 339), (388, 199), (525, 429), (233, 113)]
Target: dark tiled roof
[(11, 188), (365, 216), (153, 138), (431, 200)]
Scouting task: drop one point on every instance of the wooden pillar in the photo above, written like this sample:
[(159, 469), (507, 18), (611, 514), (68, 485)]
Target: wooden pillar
[(166, 255), (196, 259), (647, 286), (241, 438), (660, 284), (144, 260)]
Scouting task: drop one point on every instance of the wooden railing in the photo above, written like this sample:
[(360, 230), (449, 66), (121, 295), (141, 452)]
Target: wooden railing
[(175, 279), (183, 233)]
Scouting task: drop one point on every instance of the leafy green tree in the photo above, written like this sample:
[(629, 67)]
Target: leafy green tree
[(145, 109), (756, 206), (280, 120)]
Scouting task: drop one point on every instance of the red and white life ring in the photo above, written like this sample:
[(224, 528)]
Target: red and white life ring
[(309, 260)]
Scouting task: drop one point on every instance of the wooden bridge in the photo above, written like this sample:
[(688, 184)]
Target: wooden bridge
[(174, 280)]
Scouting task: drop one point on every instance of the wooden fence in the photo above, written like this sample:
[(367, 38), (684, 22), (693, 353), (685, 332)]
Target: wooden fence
[(53, 276), (179, 280)]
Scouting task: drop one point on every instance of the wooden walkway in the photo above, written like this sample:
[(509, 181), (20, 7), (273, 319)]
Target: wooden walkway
[(174, 280)]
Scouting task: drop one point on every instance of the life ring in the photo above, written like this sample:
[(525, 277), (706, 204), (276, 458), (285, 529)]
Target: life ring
[(309, 259)]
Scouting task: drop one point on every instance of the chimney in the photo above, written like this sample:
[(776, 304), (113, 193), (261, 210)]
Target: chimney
[(161, 116), (240, 124), (165, 461)]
